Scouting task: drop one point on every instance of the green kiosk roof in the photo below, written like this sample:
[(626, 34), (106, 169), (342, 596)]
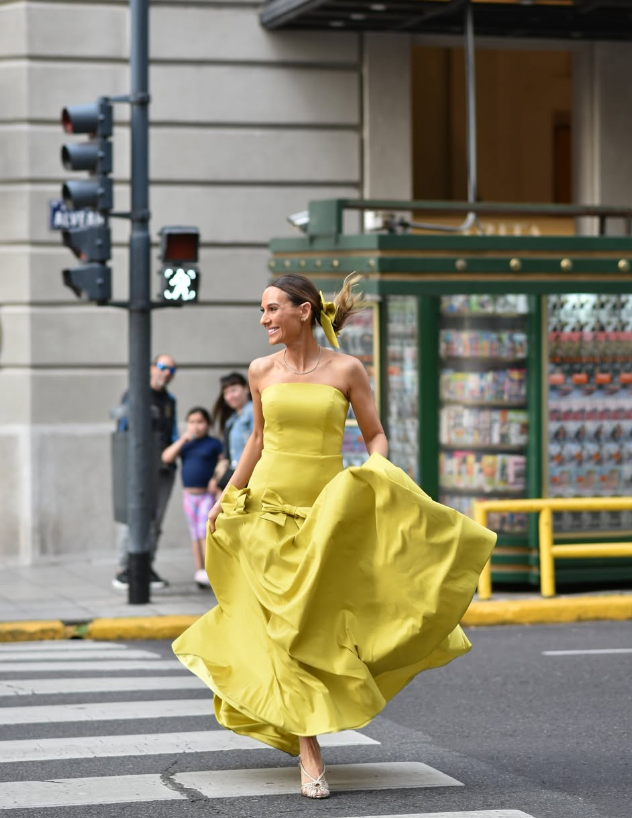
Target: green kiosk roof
[(400, 258)]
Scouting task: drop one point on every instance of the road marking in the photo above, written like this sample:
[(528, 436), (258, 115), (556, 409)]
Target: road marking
[(75, 656), (106, 711), (83, 792), (78, 645), (205, 741), (595, 652), (344, 777), (100, 664), (123, 789), (29, 687), (479, 813)]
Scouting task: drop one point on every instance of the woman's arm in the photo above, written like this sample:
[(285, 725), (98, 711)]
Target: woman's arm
[(364, 409)]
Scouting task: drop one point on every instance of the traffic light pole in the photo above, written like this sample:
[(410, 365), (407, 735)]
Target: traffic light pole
[(92, 280), (140, 450)]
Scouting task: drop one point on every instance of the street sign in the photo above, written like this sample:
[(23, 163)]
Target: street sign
[(61, 218)]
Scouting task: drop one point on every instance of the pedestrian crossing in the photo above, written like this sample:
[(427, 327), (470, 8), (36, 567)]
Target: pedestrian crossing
[(101, 711), (45, 674)]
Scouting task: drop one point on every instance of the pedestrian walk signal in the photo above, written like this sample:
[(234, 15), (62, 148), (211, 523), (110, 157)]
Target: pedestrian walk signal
[(179, 249), (180, 285)]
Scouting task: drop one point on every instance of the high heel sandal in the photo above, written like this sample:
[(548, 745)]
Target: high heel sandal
[(315, 787)]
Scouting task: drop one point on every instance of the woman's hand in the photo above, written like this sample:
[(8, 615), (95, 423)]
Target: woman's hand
[(213, 515)]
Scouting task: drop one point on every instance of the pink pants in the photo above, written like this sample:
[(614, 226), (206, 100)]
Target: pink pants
[(196, 508)]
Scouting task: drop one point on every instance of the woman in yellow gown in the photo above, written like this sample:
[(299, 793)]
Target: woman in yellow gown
[(335, 587)]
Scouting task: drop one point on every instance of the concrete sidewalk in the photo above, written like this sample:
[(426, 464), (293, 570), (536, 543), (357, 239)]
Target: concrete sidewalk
[(48, 601), (77, 592)]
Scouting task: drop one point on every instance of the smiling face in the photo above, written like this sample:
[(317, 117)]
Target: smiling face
[(280, 318)]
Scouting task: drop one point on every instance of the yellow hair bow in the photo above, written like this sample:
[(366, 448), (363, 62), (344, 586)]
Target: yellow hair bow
[(326, 320)]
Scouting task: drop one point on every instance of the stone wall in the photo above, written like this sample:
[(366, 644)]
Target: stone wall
[(246, 127)]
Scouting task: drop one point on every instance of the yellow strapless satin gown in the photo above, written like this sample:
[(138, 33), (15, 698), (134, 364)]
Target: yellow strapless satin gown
[(335, 587)]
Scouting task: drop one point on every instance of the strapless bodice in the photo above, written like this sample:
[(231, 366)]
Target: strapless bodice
[(303, 418)]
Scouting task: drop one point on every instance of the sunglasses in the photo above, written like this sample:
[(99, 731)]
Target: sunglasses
[(165, 368)]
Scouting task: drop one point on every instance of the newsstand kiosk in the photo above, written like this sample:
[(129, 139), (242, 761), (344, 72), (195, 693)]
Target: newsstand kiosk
[(501, 365)]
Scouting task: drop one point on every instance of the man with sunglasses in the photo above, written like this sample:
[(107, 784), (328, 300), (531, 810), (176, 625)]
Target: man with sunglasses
[(163, 369)]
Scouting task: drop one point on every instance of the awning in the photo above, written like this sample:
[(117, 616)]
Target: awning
[(560, 19)]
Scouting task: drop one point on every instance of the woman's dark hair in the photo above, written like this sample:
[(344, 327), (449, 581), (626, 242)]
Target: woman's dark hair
[(300, 289), (221, 410), (200, 410)]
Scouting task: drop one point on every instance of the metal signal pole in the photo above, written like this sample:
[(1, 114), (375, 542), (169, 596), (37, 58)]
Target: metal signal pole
[(140, 457)]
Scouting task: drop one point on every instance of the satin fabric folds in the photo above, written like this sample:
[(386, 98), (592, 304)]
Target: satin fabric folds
[(335, 587)]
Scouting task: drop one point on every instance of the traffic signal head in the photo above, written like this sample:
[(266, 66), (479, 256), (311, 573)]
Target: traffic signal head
[(179, 245), (94, 156), (89, 243), (92, 243), (94, 118), (92, 282), (179, 248), (94, 193)]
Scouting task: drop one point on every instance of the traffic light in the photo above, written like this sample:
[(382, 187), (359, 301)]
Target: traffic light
[(91, 244), (94, 156), (179, 248), (93, 280)]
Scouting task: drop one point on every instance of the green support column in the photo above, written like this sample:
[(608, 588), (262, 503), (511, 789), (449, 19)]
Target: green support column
[(382, 313), (535, 386), (428, 364)]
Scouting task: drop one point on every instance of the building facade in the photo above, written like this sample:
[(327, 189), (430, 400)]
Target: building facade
[(247, 126)]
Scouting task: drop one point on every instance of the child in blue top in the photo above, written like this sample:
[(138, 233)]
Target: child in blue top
[(199, 453)]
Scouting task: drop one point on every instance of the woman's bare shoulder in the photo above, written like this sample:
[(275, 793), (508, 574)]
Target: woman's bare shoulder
[(345, 364), (259, 367)]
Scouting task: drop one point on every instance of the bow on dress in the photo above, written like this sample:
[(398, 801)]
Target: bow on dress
[(326, 320), (276, 511), (235, 500)]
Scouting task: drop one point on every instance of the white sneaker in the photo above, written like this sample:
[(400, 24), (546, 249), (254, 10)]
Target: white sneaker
[(201, 578)]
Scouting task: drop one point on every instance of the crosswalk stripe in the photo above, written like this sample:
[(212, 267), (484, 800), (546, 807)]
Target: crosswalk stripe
[(75, 656), (100, 664), (78, 645), (66, 792), (478, 813), (207, 741), (111, 684), (593, 651), (83, 792), (106, 711), (344, 777)]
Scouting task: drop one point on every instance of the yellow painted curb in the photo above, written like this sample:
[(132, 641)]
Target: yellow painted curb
[(141, 627), (536, 611), (548, 611), (29, 631)]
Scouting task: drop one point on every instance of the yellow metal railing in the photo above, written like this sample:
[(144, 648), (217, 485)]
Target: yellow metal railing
[(548, 551)]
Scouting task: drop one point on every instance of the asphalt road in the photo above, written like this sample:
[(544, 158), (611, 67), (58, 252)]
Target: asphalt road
[(508, 731)]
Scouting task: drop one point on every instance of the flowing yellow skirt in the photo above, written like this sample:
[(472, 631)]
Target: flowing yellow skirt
[(326, 611)]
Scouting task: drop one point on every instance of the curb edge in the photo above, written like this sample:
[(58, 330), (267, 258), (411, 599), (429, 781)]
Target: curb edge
[(479, 614)]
